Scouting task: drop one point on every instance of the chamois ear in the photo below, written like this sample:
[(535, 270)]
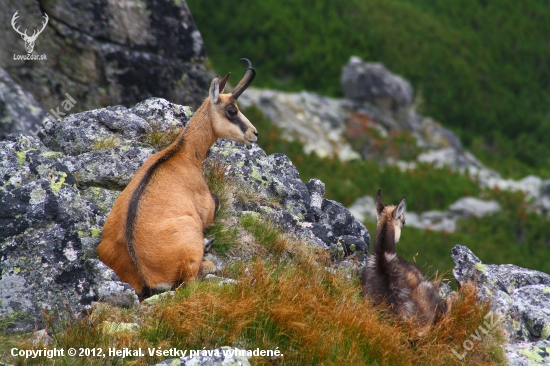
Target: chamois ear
[(214, 92), (400, 210), (222, 82), (379, 204)]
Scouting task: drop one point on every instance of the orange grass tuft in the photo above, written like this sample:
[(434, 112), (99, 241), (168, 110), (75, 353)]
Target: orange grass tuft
[(316, 317)]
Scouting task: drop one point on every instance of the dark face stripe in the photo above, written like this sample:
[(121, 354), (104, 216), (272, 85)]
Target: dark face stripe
[(240, 123)]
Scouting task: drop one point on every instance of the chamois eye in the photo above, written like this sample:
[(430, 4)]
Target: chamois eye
[(231, 113)]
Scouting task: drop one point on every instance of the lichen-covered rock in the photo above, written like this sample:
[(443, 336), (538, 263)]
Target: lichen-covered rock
[(48, 236), (19, 111), (84, 132), (528, 353), (161, 115), (107, 52), (54, 201), (519, 296), (223, 356), (303, 210), (108, 168)]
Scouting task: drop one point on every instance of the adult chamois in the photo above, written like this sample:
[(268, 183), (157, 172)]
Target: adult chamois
[(154, 236), (390, 279)]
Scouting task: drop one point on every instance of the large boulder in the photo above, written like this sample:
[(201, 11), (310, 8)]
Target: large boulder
[(56, 193), (303, 209), (106, 52), (374, 83), (314, 120)]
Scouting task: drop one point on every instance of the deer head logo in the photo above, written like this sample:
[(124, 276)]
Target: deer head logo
[(29, 40)]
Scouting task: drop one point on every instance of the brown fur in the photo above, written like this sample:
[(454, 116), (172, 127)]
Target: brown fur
[(153, 238), (391, 280)]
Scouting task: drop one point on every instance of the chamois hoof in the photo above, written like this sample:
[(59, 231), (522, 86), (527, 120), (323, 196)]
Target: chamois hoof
[(206, 268), (208, 244)]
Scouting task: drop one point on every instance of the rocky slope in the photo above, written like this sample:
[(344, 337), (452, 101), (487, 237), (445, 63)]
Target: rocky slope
[(377, 114), (56, 193)]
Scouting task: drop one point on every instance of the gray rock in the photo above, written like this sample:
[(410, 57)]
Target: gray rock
[(19, 111), (450, 157), (520, 297), (320, 221), (217, 357), (48, 236), (314, 120), (364, 209), (470, 206), (528, 353), (372, 82), (111, 168), (107, 52), (161, 115), (104, 128)]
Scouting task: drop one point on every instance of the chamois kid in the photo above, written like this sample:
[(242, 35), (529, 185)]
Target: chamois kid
[(154, 237), (390, 279)]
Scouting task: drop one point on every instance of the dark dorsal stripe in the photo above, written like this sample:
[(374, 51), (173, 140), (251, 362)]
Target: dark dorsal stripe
[(131, 217)]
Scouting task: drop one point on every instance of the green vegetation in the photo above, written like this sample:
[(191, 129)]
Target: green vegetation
[(515, 235), (482, 67), (284, 300)]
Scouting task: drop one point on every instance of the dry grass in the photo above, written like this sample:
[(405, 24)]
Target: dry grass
[(311, 315)]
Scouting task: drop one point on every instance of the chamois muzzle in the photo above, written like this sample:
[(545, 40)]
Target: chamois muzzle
[(245, 81)]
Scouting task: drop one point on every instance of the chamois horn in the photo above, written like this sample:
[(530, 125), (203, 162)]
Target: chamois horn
[(245, 81)]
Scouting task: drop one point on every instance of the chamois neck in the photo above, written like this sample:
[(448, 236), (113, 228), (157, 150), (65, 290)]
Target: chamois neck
[(384, 241), (197, 138)]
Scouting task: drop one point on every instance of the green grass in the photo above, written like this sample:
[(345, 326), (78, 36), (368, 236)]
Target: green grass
[(482, 68), (106, 144)]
